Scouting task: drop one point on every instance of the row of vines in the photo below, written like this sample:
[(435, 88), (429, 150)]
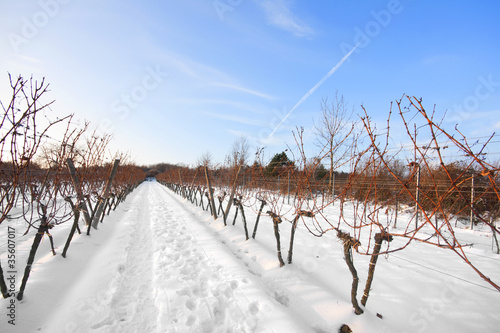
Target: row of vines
[(47, 179), (380, 184)]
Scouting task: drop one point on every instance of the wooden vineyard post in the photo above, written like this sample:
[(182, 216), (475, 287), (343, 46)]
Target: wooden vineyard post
[(105, 196), (78, 189), (211, 193), (231, 196)]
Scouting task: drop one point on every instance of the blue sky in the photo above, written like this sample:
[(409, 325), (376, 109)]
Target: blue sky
[(174, 79)]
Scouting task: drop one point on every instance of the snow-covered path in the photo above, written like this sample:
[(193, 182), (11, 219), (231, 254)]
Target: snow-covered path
[(173, 277)]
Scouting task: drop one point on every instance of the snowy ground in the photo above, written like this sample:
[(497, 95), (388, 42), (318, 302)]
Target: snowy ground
[(161, 264)]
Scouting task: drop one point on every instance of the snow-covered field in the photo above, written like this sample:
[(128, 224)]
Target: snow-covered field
[(160, 264)]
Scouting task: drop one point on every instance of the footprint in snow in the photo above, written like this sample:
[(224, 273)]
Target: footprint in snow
[(178, 263), (190, 304), (184, 292), (254, 308), (282, 298), (255, 273), (185, 270), (106, 322), (191, 320), (173, 257)]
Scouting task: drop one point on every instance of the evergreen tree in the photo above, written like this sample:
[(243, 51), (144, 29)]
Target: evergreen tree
[(321, 172), (278, 163)]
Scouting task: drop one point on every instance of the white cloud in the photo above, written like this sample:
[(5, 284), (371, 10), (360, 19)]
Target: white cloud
[(234, 118), (243, 89), (279, 14), (440, 59), (30, 59), (204, 74), (461, 116)]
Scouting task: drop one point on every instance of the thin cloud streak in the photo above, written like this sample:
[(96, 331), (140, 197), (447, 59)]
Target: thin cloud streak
[(243, 89), (234, 118)]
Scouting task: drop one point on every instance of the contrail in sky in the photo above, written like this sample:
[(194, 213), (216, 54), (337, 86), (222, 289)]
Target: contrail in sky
[(310, 92)]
